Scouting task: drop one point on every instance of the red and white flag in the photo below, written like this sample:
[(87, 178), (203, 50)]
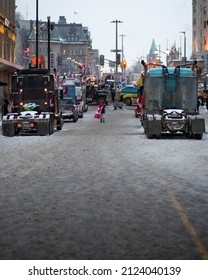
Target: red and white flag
[(62, 81), (27, 51), (66, 90)]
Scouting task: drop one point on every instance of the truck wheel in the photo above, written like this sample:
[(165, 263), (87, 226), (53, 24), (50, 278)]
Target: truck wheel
[(198, 136), (8, 129), (59, 123), (51, 127)]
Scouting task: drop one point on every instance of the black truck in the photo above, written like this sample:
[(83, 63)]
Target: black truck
[(96, 94), (35, 104)]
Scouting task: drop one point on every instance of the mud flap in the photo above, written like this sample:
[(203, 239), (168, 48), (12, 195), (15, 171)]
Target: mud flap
[(43, 128), (154, 127), (196, 124), (153, 124)]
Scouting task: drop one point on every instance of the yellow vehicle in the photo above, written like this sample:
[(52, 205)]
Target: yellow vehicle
[(129, 95)]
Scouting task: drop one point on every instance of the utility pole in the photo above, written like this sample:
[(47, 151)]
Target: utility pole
[(184, 59), (116, 60)]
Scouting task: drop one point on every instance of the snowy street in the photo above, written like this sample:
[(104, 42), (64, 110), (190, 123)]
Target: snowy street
[(104, 191)]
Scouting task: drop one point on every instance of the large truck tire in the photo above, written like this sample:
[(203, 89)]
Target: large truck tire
[(8, 129), (75, 119), (51, 125), (199, 136), (59, 123)]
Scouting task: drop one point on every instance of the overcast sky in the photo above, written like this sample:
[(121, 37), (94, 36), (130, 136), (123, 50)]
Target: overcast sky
[(142, 21)]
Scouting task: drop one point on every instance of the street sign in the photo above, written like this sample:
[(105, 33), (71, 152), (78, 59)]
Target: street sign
[(115, 50)]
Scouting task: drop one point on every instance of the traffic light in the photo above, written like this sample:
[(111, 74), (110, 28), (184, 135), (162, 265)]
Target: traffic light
[(118, 58), (124, 64), (102, 59)]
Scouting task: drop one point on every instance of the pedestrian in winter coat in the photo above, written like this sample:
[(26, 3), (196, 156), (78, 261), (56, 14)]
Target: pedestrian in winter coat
[(100, 112)]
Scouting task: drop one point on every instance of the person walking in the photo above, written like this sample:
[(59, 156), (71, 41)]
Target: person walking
[(100, 112), (112, 93)]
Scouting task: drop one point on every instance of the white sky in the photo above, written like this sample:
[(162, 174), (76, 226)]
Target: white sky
[(142, 20)]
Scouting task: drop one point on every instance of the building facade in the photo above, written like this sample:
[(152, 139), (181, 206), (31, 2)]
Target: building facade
[(70, 45), (200, 27), (7, 46)]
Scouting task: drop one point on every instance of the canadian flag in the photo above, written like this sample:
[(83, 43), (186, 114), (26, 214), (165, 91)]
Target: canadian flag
[(27, 51), (62, 81), (66, 90)]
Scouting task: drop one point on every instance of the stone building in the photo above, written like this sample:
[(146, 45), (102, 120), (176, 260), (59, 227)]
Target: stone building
[(200, 27), (70, 46)]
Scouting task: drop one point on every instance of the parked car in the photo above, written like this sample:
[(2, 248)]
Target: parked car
[(129, 95), (69, 109)]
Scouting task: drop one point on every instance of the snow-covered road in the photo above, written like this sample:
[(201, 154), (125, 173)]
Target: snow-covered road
[(104, 191)]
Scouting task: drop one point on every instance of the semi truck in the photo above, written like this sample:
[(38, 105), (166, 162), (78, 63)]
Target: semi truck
[(170, 101), (71, 88), (35, 104)]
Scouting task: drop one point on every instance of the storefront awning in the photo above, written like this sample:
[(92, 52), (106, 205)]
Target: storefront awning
[(5, 65)]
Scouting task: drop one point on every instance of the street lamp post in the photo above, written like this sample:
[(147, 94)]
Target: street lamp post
[(184, 59), (36, 33), (49, 45), (116, 70)]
